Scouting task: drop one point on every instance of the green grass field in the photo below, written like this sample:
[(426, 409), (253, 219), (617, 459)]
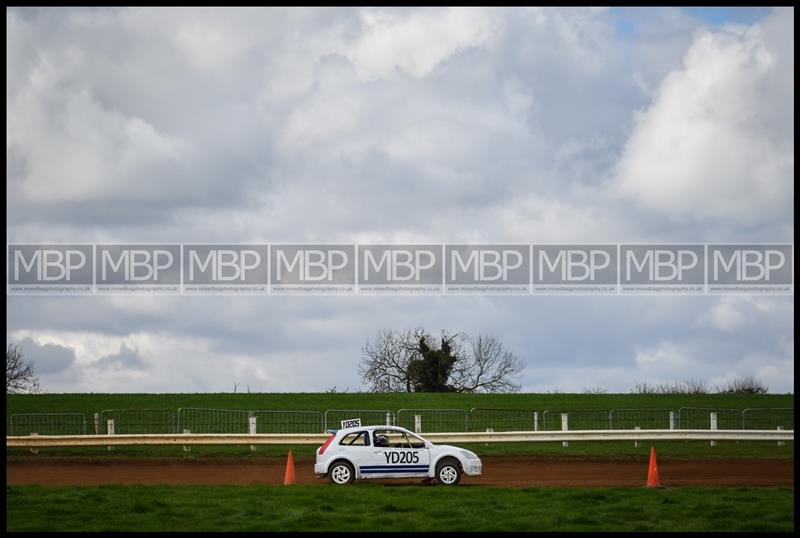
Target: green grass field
[(396, 508), (91, 403)]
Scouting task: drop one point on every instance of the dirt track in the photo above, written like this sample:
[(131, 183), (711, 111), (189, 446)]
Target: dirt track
[(497, 471)]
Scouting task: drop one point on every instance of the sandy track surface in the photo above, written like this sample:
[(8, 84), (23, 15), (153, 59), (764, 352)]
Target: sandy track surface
[(497, 471)]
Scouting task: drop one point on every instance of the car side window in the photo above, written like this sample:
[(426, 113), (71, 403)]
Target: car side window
[(396, 439), (381, 438), (355, 439)]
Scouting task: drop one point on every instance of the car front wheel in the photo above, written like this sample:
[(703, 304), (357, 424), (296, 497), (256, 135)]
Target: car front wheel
[(448, 472), (341, 473)]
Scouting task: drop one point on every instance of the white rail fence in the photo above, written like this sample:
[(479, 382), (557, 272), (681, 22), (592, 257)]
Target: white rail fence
[(41, 441)]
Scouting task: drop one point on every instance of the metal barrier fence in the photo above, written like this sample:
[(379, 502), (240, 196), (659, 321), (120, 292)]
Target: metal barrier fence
[(699, 418), (433, 420), (503, 420), (334, 417), (581, 419), (200, 420), (646, 419), (48, 424), (768, 418), (130, 421), (289, 421)]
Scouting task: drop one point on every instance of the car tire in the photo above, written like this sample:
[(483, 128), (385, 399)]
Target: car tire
[(341, 473), (448, 472)]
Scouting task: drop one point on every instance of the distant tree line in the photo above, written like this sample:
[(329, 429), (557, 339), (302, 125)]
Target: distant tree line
[(742, 385)]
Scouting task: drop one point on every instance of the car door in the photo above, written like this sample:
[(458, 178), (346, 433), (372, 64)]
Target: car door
[(355, 446), (404, 456)]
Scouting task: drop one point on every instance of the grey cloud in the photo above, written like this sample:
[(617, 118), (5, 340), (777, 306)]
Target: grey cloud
[(125, 359), (47, 358)]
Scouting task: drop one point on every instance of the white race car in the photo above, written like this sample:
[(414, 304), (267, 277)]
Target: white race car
[(391, 452)]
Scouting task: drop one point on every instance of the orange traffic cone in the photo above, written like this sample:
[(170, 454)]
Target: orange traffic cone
[(288, 478), (652, 471)]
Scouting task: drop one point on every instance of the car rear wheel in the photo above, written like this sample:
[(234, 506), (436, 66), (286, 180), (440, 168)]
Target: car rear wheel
[(341, 473), (448, 472)]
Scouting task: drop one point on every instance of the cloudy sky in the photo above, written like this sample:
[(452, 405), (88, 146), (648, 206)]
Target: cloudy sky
[(398, 125)]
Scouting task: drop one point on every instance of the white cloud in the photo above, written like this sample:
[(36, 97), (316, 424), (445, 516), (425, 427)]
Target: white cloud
[(726, 317), (717, 141), (666, 361), (733, 314), (208, 46), (76, 149), (415, 42)]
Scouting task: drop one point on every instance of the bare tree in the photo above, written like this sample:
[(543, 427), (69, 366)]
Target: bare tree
[(482, 365), (385, 363), (486, 367), (594, 390), (695, 386), (690, 386), (20, 375), (743, 385)]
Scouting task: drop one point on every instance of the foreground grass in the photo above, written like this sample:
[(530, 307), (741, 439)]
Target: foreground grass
[(407, 508), (606, 449)]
